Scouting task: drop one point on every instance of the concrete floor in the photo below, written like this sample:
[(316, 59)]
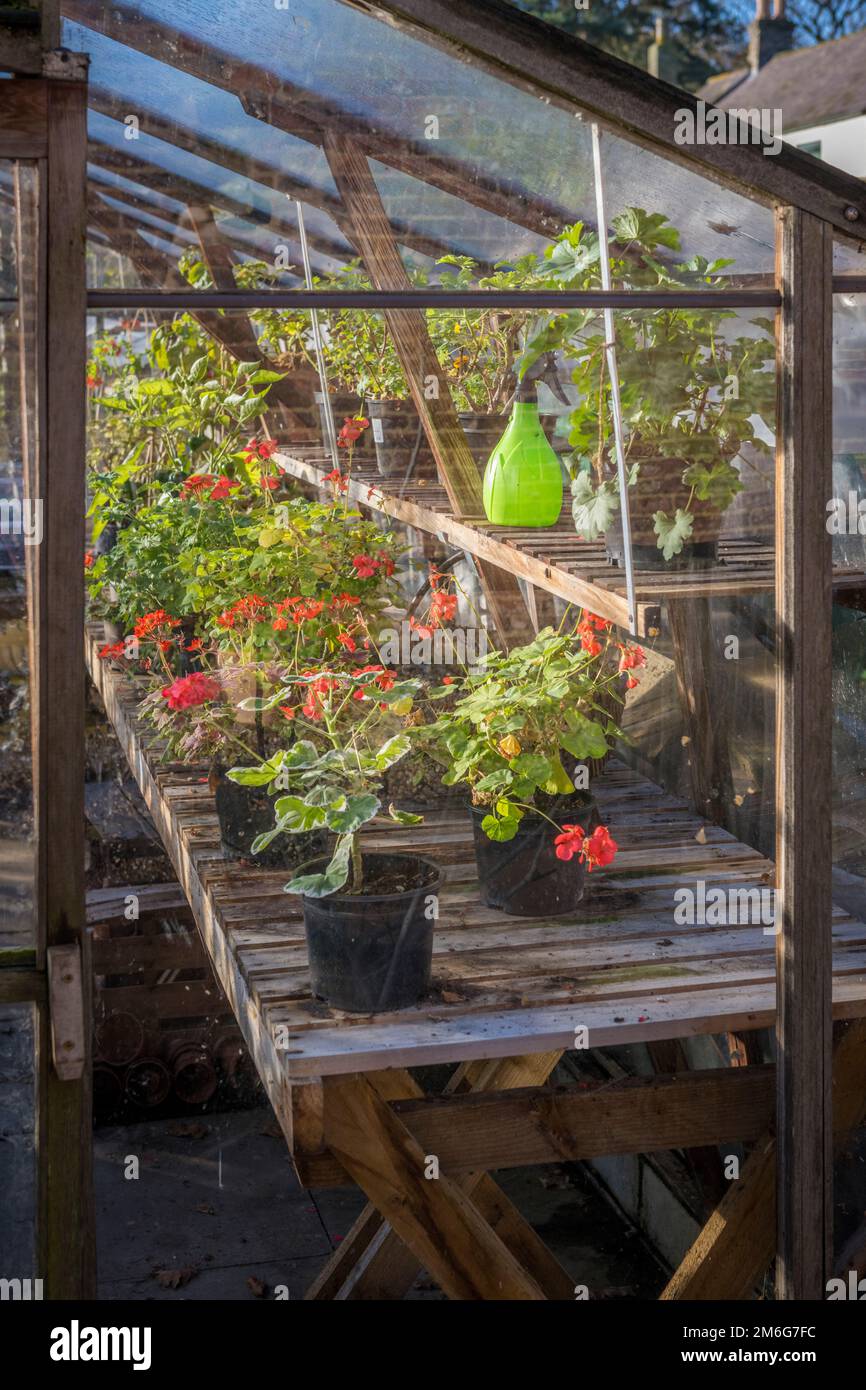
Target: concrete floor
[(216, 1202)]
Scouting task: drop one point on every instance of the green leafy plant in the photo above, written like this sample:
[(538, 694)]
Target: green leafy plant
[(691, 387), (520, 726), (349, 730)]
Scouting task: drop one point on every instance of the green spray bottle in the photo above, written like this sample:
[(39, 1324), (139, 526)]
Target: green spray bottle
[(523, 477)]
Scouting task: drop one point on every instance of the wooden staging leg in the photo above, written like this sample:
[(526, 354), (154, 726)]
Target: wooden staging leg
[(735, 1248), (434, 1217), (374, 1263)]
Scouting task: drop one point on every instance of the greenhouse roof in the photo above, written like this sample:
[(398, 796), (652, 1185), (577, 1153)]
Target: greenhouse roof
[(231, 108)]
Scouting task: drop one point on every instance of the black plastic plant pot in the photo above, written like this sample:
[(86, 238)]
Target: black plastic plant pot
[(371, 952), (244, 813), (401, 444), (523, 876)]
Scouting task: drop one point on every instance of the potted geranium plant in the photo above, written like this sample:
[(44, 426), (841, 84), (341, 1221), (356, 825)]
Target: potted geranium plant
[(692, 386), (522, 733), (368, 916)]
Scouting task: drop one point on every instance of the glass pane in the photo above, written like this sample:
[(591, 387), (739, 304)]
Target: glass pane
[(466, 164), (17, 1146), (848, 532), (20, 523)]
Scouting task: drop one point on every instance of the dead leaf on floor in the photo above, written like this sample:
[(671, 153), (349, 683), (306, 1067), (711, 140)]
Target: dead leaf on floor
[(701, 836), (257, 1287), (448, 996), (175, 1278), (188, 1129), (204, 1208)]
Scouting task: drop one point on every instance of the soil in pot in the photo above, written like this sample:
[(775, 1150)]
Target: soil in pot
[(342, 405), (244, 813), (523, 876), (371, 952), (660, 488), (399, 440)]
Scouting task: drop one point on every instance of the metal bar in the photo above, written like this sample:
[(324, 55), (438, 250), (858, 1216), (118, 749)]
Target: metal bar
[(610, 341), (430, 299), (317, 341)]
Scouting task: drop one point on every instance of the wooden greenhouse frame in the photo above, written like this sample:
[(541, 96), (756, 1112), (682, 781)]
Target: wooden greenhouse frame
[(495, 1105)]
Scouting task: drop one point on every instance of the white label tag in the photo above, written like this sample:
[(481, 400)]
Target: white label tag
[(378, 432)]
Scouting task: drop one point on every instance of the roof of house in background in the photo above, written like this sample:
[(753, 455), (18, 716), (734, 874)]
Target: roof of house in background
[(825, 82)]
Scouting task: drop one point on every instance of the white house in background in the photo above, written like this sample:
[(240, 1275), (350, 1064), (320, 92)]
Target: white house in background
[(820, 90)]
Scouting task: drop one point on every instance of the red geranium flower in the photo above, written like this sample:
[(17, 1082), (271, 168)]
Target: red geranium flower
[(346, 640), (443, 607), (267, 448), (351, 431), (365, 566), (599, 850), (336, 477), (223, 489), (269, 483), (112, 650), (188, 691), (157, 622), (570, 842), (88, 560), (196, 484)]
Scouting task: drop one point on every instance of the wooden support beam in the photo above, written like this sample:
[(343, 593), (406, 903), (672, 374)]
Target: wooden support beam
[(51, 227), (458, 471), (709, 747), (735, 1248), (373, 237), (502, 1128), (215, 250), (804, 483), (373, 1263), (434, 1217)]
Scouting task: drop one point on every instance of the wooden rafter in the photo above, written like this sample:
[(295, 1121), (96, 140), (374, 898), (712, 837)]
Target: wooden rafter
[(308, 116), (458, 471), (257, 170), (234, 331)]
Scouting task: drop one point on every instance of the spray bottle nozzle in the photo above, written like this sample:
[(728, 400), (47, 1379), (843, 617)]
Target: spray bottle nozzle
[(543, 369)]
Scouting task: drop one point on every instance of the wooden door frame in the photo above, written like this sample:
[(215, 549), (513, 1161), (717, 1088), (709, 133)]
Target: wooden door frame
[(43, 123)]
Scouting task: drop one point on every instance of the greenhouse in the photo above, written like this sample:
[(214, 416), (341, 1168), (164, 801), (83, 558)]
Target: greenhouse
[(432, 722)]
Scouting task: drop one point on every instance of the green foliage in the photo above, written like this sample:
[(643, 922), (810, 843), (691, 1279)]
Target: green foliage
[(349, 735), (691, 387), (506, 733)]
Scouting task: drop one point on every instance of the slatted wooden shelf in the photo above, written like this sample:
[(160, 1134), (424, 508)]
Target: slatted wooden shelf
[(503, 986), (555, 558)]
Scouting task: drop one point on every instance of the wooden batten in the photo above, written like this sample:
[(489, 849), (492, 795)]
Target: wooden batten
[(804, 483)]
